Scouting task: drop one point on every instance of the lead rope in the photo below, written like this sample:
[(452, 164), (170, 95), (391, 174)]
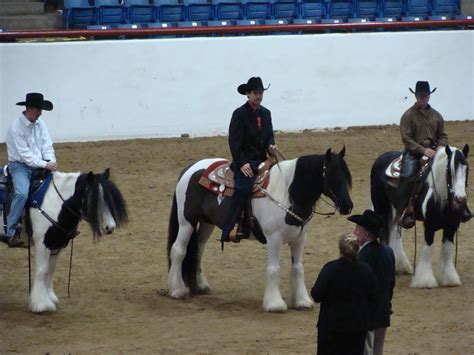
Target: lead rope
[(414, 256), (456, 252), (29, 264), (70, 270)]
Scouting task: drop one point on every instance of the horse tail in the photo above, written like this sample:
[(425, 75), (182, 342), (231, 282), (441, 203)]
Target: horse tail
[(173, 228), (378, 192), (190, 262)]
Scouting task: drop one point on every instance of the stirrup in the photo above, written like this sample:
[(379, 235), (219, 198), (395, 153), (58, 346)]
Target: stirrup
[(407, 219)]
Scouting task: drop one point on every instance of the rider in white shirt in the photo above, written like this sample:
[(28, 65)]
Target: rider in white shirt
[(29, 148)]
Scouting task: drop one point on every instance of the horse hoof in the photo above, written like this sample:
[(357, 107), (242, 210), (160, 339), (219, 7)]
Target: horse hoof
[(51, 307), (179, 294), (303, 306), (279, 307)]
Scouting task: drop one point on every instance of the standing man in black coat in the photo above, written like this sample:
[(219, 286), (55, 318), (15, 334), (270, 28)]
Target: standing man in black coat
[(382, 262), (250, 139), (346, 290)]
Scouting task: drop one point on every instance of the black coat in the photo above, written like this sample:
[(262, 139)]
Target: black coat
[(382, 262), (346, 290), (248, 143)]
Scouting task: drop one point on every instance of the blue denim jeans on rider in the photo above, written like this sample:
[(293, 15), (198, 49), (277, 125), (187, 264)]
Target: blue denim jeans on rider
[(21, 174)]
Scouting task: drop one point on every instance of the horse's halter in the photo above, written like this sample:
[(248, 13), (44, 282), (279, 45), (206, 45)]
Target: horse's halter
[(327, 191), (449, 178)]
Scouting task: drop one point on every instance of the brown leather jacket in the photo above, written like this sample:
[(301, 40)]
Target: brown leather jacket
[(422, 128)]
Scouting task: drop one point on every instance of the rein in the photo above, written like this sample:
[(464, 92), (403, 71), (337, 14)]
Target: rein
[(287, 209)]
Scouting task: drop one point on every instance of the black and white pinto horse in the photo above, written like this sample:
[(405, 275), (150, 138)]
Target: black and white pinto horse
[(69, 198), (294, 188), (439, 205)]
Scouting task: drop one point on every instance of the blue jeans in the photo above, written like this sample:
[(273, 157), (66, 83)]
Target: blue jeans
[(21, 174), (242, 191)]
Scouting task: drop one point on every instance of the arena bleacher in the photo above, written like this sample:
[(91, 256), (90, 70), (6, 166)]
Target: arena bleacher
[(192, 13)]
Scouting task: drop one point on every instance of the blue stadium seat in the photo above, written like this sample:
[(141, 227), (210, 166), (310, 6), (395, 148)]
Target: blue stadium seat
[(305, 21), (249, 22), (257, 9), (78, 14), (160, 25), (169, 11), (133, 26), (312, 9), (367, 9), (392, 9), (198, 10), (340, 9), (140, 11), (110, 12), (418, 8), (284, 9), (220, 23), (98, 27), (445, 8), (280, 21), (228, 10)]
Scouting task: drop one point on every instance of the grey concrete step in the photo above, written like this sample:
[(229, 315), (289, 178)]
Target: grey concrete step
[(21, 8), (48, 21)]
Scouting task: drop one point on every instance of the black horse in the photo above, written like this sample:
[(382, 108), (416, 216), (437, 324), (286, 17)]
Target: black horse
[(439, 205)]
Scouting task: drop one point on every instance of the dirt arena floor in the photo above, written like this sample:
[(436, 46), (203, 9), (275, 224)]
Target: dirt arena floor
[(118, 302)]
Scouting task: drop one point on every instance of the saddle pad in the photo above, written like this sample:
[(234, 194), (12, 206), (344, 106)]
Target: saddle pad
[(36, 198), (219, 179), (393, 169)]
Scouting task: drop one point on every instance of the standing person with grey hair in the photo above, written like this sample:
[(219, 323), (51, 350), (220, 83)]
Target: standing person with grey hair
[(380, 258), (346, 290)]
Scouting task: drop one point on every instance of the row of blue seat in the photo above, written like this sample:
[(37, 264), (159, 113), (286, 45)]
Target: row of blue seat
[(80, 13)]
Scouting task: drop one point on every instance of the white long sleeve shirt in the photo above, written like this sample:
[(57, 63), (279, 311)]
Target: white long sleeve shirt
[(29, 143)]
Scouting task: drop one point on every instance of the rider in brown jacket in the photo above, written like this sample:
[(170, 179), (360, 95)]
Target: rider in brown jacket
[(422, 132)]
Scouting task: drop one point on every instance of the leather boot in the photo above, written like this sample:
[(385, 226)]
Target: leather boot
[(407, 219), (466, 215)]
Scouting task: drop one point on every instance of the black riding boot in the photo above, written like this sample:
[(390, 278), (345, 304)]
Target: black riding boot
[(466, 214), (405, 209)]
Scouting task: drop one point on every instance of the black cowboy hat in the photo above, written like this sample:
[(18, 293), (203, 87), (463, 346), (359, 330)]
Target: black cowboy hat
[(35, 99), (372, 222), (254, 83), (422, 88)]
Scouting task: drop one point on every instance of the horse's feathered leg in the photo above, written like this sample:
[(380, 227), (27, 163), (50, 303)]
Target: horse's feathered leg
[(40, 300), (448, 276), (53, 259), (402, 264), (272, 301), (204, 232), (176, 286), (299, 297), (424, 276)]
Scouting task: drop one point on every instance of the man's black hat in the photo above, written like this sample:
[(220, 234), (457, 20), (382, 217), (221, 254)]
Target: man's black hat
[(372, 222), (422, 88), (35, 99), (254, 83)]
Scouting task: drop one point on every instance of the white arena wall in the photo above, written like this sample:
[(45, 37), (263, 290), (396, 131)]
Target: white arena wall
[(105, 90)]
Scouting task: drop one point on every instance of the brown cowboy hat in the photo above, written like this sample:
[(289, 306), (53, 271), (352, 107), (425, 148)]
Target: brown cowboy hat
[(422, 88), (372, 222), (254, 83), (35, 99)]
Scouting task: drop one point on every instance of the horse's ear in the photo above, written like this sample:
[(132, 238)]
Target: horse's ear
[(465, 150), (328, 154), (343, 151), (448, 151), (107, 174), (90, 177)]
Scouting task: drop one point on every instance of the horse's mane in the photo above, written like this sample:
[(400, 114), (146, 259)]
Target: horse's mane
[(437, 178), (112, 197), (281, 176)]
